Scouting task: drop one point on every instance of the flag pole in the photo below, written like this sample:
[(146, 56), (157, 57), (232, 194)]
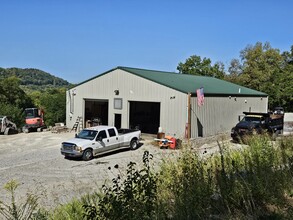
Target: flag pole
[(189, 116)]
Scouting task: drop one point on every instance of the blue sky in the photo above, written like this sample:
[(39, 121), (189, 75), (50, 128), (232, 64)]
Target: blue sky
[(76, 40)]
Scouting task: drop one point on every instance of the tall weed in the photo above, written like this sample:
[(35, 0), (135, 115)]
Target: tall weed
[(185, 187), (134, 197), (251, 179), (231, 184), (23, 211)]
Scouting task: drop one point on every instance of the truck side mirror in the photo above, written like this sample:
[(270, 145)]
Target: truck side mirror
[(100, 138)]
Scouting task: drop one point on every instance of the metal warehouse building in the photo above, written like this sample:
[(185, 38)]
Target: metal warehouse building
[(147, 99)]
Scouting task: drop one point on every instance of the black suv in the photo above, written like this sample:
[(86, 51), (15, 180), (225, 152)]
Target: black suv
[(279, 111)]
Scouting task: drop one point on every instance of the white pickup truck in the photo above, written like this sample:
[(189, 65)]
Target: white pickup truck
[(99, 140)]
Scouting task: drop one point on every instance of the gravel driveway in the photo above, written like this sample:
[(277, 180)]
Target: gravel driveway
[(34, 160)]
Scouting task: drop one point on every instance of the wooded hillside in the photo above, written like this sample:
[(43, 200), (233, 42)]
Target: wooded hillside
[(27, 88), (33, 79)]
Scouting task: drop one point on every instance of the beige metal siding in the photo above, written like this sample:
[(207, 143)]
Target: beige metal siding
[(132, 88), (220, 114)]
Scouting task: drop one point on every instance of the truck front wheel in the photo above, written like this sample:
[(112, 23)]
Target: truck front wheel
[(133, 144), (87, 155)]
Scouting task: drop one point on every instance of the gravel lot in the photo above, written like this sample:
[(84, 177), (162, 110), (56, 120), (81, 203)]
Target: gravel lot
[(35, 161)]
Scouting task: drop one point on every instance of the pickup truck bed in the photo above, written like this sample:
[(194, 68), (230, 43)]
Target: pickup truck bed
[(125, 131), (258, 123)]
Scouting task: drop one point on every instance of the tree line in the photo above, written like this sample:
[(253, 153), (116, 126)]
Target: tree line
[(28, 88), (33, 77), (260, 67), (13, 101)]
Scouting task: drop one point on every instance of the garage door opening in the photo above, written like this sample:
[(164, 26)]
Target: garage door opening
[(96, 112), (145, 116)]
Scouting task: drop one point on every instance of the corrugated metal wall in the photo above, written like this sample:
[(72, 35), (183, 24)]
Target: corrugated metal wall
[(173, 109), (220, 114)]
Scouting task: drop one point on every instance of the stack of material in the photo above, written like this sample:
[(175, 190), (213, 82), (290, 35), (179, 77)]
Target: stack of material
[(59, 127)]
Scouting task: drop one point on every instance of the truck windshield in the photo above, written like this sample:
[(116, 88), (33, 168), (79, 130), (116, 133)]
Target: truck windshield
[(87, 134), (252, 119)]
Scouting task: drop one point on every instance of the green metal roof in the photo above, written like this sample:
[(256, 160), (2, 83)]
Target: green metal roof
[(190, 83)]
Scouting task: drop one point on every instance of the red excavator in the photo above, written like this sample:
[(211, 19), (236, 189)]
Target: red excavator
[(34, 120)]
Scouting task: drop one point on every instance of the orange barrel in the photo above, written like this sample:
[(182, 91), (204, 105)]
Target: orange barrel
[(173, 144)]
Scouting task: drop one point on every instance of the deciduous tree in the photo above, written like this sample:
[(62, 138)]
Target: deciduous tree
[(195, 65), (262, 69), (53, 101), (13, 100), (286, 81)]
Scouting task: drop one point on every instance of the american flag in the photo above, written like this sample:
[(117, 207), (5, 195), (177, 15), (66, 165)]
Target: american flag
[(200, 96)]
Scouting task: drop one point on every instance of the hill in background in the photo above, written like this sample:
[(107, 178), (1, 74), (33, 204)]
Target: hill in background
[(34, 79)]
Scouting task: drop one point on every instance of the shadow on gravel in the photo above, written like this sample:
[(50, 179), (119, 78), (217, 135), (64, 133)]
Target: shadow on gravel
[(234, 141), (73, 158), (117, 151)]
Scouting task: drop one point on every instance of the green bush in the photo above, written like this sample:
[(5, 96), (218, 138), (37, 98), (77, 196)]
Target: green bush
[(135, 197), (254, 181), (53, 102), (251, 180), (185, 187), (70, 211)]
